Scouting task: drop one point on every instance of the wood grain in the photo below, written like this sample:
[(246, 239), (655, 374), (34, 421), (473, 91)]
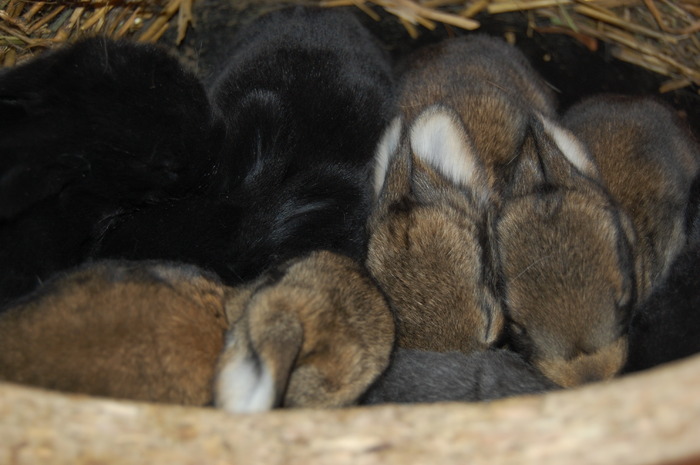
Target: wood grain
[(649, 418)]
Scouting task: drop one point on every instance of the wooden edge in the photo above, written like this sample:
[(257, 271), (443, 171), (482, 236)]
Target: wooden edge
[(648, 418)]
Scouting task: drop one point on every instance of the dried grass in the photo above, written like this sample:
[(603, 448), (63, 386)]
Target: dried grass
[(660, 35), (30, 25)]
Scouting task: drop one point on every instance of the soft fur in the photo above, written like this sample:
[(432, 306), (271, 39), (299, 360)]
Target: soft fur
[(316, 332), (426, 245), (489, 84), (648, 160), (87, 133), (666, 326), (305, 97), (147, 331), (422, 376), (566, 262)]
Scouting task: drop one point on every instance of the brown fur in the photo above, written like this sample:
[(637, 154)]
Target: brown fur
[(429, 245), (318, 326), (142, 331), (566, 266), (489, 84), (648, 161), (425, 250)]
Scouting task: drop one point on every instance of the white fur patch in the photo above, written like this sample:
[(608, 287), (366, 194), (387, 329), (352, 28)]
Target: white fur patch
[(440, 141), (245, 387), (571, 147), (385, 150)]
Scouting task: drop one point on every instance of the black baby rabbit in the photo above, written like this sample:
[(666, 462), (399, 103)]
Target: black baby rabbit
[(88, 132), (305, 96)]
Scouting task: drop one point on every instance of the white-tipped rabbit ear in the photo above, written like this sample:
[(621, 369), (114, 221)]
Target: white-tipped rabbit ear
[(244, 386), (387, 147), (572, 148), (438, 138)]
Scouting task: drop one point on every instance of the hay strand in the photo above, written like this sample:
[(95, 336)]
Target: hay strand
[(660, 35)]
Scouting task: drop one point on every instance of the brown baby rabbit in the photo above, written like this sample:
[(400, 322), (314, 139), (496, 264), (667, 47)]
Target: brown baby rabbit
[(566, 263), (426, 246), (146, 331), (315, 332), (464, 113), (648, 161), (490, 86)]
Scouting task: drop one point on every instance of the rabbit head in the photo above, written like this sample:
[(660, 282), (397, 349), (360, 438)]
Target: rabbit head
[(426, 246), (489, 83), (648, 161), (565, 261), (147, 331), (315, 332)]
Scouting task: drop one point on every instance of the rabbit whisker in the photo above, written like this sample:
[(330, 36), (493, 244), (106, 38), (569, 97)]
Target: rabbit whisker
[(530, 266)]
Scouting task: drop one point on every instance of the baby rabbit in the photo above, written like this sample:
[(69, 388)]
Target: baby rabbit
[(565, 258), (88, 132), (426, 246), (648, 161), (422, 376), (464, 114), (489, 85), (305, 96), (146, 331), (315, 332)]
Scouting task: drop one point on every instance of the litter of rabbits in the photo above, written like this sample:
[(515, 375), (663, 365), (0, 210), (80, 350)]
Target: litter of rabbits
[(311, 223)]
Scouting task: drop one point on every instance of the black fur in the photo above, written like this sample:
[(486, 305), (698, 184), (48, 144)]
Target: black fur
[(86, 132), (422, 376), (305, 97), (111, 150), (666, 327)]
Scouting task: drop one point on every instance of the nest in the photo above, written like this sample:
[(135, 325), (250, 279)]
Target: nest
[(28, 26), (659, 35)]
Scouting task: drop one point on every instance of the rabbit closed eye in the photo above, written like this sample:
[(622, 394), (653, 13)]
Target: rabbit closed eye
[(314, 333)]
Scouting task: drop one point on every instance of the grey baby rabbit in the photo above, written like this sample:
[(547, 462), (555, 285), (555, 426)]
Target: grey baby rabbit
[(148, 331), (423, 376), (648, 161), (315, 332)]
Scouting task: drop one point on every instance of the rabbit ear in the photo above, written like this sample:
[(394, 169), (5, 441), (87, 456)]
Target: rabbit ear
[(571, 147), (388, 145), (243, 383), (258, 358), (438, 138)]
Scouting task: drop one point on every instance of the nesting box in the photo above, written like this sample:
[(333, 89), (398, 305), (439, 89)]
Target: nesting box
[(646, 418)]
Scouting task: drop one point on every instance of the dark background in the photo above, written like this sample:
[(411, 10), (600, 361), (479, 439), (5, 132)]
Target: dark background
[(566, 64)]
